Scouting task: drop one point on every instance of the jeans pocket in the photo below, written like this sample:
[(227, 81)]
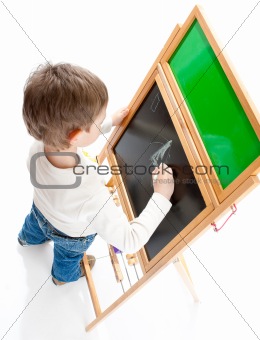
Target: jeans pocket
[(72, 244)]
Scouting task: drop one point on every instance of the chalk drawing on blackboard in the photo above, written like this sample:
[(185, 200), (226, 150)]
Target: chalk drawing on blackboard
[(155, 102), (162, 154)]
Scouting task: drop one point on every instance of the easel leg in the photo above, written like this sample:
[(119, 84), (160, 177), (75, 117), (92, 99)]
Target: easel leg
[(91, 286), (182, 269)]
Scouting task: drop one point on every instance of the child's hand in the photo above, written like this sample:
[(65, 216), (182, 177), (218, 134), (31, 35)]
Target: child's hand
[(119, 115), (163, 181)]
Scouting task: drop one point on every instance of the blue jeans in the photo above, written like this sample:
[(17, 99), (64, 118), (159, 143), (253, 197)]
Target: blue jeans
[(68, 251)]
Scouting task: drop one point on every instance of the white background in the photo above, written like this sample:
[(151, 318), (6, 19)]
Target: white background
[(119, 41)]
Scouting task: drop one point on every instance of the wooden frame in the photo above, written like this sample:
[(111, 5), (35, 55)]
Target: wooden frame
[(246, 102), (217, 200), (143, 90)]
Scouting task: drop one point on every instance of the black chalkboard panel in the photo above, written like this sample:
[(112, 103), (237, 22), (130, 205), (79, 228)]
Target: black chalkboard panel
[(149, 139)]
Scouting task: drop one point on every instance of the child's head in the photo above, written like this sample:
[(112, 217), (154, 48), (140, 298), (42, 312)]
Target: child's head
[(59, 99)]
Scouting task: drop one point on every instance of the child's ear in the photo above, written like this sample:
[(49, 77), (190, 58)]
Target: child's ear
[(74, 136)]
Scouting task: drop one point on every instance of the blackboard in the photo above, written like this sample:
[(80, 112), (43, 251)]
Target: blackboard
[(149, 139), (222, 122)]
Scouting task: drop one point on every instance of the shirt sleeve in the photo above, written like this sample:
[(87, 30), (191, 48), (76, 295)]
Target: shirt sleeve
[(112, 225), (106, 125)]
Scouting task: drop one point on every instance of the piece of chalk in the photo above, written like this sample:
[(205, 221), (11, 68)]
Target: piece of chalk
[(155, 178), (117, 251)]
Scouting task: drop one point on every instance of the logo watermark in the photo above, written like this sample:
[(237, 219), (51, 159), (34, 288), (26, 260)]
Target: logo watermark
[(33, 171), (180, 174)]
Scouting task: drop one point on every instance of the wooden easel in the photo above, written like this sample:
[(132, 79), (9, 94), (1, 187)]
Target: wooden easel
[(218, 199)]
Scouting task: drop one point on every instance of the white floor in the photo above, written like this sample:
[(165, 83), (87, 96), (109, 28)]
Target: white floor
[(224, 266)]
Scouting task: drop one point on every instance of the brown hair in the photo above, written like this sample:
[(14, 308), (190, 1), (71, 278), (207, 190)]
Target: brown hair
[(59, 99)]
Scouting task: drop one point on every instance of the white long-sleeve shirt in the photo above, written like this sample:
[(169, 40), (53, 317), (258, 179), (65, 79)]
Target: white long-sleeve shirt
[(89, 208)]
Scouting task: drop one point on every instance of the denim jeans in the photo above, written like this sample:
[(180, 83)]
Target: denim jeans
[(68, 251)]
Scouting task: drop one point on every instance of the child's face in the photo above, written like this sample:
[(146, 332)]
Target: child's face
[(88, 137)]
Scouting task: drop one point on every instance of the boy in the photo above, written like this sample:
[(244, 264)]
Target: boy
[(64, 109)]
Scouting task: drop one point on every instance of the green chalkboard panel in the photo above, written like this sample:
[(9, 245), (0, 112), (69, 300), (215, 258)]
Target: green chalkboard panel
[(222, 123)]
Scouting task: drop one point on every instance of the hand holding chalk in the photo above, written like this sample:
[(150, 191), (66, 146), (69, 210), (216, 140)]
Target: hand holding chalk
[(163, 181)]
